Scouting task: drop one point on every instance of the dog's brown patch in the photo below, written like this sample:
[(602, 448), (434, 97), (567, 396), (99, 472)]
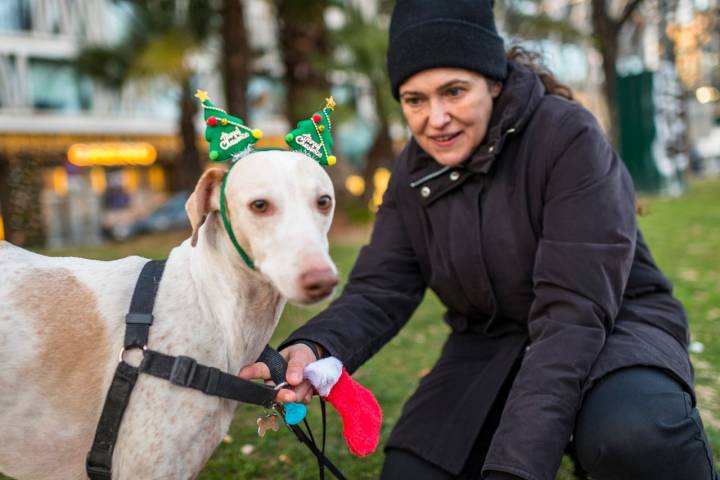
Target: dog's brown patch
[(72, 340)]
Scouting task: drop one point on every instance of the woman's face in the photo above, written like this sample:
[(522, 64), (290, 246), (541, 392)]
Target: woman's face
[(448, 110)]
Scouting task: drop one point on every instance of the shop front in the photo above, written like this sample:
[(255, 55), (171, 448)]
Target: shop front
[(79, 190)]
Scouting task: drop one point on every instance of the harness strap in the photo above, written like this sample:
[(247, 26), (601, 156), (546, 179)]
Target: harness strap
[(186, 372), (138, 321), (98, 463)]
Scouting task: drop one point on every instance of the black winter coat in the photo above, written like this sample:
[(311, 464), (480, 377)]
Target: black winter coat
[(533, 247)]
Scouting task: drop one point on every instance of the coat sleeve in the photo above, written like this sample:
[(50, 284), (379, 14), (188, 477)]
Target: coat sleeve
[(384, 288), (582, 264)]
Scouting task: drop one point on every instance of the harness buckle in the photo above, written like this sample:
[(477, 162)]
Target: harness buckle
[(183, 371)]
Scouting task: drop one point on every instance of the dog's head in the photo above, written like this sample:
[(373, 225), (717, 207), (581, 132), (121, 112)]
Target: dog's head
[(279, 206)]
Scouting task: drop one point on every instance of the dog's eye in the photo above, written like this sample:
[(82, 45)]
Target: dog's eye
[(324, 202), (259, 206)]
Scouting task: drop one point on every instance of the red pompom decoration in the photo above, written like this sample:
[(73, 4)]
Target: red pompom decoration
[(316, 118), (212, 121)]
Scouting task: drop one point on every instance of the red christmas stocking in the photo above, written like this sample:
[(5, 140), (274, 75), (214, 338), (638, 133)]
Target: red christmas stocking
[(359, 410)]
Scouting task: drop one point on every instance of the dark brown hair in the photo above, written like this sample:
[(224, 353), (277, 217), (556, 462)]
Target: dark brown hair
[(533, 61)]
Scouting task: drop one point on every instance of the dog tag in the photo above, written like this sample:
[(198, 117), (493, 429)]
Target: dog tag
[(267, 422)]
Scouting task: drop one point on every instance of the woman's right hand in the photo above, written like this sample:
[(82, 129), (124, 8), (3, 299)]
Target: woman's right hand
[(298, 357)]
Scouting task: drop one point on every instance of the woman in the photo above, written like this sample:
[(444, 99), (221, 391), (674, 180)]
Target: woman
[(511, 206)]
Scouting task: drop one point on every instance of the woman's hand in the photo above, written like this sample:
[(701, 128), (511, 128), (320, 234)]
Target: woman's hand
[(298, 357)]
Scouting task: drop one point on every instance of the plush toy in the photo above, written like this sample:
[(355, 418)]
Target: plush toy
[(359, 410)]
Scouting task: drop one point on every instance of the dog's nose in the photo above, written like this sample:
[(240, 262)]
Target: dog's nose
[(318, 283)]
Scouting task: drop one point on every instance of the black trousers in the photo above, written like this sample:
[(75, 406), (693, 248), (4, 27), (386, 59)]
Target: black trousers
[(635, 424)]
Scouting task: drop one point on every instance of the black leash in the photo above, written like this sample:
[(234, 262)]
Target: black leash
[(182, 371)]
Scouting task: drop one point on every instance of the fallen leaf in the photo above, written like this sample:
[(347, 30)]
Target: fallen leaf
[(247, 449)]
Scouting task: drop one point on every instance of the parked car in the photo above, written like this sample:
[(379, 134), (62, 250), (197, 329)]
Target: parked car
[(169, 216)]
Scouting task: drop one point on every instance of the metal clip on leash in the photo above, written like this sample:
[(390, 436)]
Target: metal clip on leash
[(278, 367)]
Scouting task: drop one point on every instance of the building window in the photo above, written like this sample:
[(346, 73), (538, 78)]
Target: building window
[(14, 15), (54, 85)]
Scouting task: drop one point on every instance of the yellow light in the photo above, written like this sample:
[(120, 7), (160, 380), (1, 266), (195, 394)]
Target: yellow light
[(111, 154), (707, 94), (156, 178), (131, 180), (355, 184), (381, 177), (2, 228), (98, 183), (372, 206), (60, 181)]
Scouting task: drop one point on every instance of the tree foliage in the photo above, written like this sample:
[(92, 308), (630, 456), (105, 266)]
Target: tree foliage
[(607, 18), (162, 36)]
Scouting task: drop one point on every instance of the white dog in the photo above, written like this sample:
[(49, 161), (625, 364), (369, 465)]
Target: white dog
[(62, 324)]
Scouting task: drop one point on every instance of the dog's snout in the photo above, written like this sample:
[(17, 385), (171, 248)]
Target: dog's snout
[(318, 283)]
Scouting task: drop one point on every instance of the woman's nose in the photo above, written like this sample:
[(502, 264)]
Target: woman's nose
[(439, 115)]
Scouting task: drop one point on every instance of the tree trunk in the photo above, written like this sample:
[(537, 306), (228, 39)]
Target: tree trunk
[(22, 199), (188, 167), (5, 210), (606, 32), (381, 153), (236, 58), (304, 45)]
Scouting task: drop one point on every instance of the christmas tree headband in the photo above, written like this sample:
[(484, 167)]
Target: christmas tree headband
[(230, 139)]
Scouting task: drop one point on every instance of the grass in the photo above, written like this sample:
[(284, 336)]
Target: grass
[(684, 235)]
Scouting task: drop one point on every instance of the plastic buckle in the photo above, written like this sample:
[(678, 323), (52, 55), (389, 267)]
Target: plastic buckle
[(183, 371)]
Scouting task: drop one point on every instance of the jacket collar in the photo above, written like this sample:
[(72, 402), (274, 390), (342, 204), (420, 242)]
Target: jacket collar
[(520, 96)]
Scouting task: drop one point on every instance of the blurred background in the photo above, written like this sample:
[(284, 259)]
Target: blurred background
[(101, 138), (101, 142)]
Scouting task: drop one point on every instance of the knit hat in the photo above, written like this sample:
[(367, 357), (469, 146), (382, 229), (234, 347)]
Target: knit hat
[(428, 34)]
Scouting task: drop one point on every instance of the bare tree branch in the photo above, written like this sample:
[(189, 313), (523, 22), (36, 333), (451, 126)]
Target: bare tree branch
[(627, 11)]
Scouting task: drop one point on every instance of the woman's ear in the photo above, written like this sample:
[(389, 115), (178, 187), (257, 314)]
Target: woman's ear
[(204, 200), (495, 88)]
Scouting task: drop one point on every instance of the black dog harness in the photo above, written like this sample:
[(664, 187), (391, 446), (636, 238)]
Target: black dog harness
[(182, 371)]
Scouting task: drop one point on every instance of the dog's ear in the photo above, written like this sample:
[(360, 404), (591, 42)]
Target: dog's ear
[(204, 200)]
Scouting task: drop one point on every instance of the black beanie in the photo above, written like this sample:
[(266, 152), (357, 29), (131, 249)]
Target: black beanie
[(443, 33)]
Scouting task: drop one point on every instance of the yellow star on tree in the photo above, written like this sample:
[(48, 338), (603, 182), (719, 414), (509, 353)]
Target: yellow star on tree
[(330, 103), (201, 95)]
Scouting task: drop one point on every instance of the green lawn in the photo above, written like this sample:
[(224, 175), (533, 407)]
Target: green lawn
[(684, 235)]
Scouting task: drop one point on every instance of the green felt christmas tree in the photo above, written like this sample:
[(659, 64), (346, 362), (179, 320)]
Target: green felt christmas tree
[(228, 137), (313, 137)]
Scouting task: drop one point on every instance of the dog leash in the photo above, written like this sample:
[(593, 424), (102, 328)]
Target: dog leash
[(182, 371), (278, 367)]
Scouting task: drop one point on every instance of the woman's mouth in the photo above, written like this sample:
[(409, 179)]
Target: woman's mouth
[(445, 140)]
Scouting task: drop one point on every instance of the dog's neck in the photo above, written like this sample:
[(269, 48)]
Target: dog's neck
[(241, 301)]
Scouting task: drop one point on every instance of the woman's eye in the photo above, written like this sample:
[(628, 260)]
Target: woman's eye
[(324, 202), (259, 206), (411, 101), (453, 91)]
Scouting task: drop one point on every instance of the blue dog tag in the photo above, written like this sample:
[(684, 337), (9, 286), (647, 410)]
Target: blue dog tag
[(294, 413)]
